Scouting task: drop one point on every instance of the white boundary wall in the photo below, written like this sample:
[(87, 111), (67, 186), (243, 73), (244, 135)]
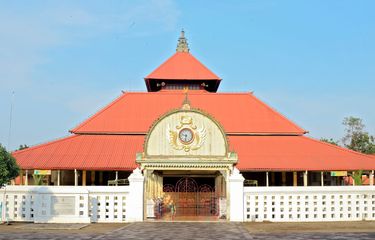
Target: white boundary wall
[(65, 204), (309, 204), (74, 204)]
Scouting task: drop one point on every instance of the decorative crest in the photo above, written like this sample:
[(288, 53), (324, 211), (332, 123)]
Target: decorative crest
[(186, 102), (186, 135), (182, 45)]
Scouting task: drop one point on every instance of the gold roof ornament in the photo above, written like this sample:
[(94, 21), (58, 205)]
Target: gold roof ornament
[(186, 102), (182, 45)]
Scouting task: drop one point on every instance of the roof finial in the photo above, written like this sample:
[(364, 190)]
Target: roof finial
[(182, 45), (186, 103)]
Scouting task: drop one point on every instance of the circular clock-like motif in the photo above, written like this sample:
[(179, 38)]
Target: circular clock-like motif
[(186, 135)]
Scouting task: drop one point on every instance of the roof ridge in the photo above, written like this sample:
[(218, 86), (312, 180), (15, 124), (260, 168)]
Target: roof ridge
[(277, 112), (164, 63), (97, 113), (49, 142), (190, 92), (179, 58), (204, 66), (337, 147)]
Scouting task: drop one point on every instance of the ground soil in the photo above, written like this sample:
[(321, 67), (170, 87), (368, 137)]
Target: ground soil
[(93, 228), (253, 228), (323, 227)]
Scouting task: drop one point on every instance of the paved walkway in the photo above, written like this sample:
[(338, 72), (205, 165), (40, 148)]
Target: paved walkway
[(180, 230), (183, 231)]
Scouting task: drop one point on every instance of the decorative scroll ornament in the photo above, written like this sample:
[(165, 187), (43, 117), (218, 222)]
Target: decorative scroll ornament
[(186, 135)]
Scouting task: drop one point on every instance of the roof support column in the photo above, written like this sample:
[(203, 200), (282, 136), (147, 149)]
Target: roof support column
[(267, 180), (101, 178), (305, 179), (283, 178), (26, 177), (75, 177), (295, 179), (372, 178), (92, 178), (322, 178), (353, 181), (116, 177), (58, 177), (83, 177), (21, 177)]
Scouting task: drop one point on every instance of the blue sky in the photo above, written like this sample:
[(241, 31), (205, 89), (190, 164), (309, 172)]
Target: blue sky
[(313, 61)]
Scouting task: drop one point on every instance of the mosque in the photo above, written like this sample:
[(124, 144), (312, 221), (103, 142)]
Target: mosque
[(187, 139)]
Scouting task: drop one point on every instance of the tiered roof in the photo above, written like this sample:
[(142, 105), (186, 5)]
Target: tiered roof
[(237, 112), (263, 138)]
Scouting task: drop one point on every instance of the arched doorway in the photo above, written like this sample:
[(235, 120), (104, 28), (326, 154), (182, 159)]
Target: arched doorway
[(193, 198)]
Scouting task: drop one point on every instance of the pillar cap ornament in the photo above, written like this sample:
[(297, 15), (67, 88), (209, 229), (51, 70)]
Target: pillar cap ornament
[(182, 45)]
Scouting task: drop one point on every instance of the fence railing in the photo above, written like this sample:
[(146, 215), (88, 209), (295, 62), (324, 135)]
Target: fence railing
[(309, 204), (64, 203)]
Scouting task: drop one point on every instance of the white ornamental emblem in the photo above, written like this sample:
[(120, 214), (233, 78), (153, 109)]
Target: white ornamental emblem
[(186, 136)]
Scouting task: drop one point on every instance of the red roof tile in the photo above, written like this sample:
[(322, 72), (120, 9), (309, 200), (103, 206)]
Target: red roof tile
[(182, 66), (85, 152), (237, 112), (257, 153), (295, 153)]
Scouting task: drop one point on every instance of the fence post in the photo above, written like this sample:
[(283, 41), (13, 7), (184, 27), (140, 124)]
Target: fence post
[(135, 205), (236, 195)]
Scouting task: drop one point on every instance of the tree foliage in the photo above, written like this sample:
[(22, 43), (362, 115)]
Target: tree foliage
[(356, 138), (330, 140), (8, 166), (23, 146)]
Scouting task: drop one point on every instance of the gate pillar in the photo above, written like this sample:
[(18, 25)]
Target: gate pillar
[(236, 201), (135, 200)]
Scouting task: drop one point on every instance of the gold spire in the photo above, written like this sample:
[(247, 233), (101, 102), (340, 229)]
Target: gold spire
[(182, 45), (186, 103)]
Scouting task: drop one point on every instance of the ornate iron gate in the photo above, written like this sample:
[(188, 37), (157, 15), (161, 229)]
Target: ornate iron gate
[(190, 199)]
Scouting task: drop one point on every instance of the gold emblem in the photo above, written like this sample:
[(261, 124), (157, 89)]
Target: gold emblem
[(186, 135)]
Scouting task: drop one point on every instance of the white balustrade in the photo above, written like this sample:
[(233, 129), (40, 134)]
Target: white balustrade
[(309, 204), (79, 204)]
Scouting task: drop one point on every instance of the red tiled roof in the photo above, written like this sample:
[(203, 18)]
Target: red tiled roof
[(237, 112), (182, 66), (85, 152), (295, 153), (257, 153)]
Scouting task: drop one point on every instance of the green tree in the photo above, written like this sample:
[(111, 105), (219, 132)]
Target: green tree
[(357, 139), (38, 179), (330, 140), (8, 166), (24, 146)]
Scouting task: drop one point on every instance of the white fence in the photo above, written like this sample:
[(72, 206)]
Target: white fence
[(64, 203), (74, 204), (309, 204), (125, 203)]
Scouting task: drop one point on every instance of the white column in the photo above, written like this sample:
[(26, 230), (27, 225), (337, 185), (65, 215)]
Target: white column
[(295, 179), (353, 182), (236, 196), (372, 178), (116, 178), (58, 177), (305, 179), (322, 178), (27, 177), (75, 177), (135, 202), (267, 180)]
